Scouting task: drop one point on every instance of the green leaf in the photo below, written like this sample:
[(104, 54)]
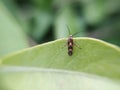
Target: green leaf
[(96, 57), (27, 78), (11, 36)]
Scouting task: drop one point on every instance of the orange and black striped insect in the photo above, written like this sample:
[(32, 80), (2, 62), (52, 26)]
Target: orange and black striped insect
[(70, 43)]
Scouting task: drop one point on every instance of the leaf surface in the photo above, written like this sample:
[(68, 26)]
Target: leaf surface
[(48, 79), (95, 57)]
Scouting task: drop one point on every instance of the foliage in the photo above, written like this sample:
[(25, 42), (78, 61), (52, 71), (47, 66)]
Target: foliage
[(40, 67), (42, 19), (26, 23)]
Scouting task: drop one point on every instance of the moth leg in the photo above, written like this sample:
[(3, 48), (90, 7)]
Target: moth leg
[(77, 45)]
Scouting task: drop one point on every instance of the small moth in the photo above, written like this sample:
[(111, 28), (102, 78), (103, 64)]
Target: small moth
[(70, 43)]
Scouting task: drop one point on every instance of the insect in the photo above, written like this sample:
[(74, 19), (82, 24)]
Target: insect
[(70, 43)]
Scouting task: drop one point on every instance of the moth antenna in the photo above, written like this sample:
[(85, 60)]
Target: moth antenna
[(68, 29), (76, 33)]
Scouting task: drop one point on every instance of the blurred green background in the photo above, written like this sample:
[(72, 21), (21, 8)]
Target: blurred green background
[(25, 23)]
